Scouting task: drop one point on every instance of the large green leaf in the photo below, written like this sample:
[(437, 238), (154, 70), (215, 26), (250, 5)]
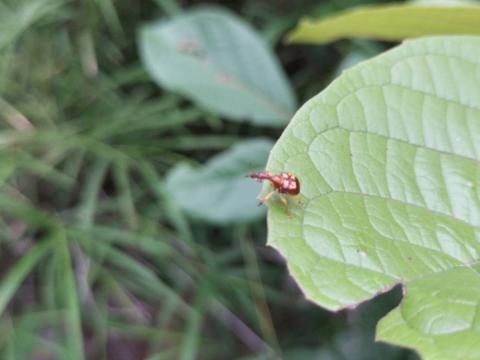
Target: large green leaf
[(388, 158), (219, 61), (391, 22), (219, 192)]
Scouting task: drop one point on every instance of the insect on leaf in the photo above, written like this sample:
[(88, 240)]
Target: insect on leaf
[(388, 157)]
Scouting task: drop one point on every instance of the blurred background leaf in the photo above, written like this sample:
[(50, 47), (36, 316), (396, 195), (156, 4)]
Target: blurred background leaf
[(392, 22), (219, 192), (219, 61)]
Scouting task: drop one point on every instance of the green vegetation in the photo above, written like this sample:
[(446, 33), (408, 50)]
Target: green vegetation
[(393, 22), (389, 161), (127, 229)]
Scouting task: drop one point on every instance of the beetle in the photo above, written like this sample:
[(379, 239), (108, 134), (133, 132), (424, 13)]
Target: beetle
[(283, 183)]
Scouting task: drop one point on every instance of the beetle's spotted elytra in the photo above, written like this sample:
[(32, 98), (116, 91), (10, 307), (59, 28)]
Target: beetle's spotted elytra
[(282, 183)]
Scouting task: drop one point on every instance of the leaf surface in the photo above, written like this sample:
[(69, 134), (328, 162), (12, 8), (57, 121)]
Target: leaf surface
[(440, 318), (220, 62), (391, 22), (388, 161)]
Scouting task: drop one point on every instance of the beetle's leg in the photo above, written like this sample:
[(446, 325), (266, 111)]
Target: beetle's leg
[(285, 203), (264, 199)]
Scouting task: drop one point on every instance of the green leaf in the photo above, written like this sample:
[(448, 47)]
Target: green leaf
[(388, 160), (444, 306), (219, 192), (390, 22), (220, 62)]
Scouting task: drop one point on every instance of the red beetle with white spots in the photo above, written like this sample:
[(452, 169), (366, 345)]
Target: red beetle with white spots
[(283, 183)]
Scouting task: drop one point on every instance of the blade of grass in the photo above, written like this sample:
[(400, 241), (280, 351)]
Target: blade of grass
[(111, 17), (15, 21), (42, 169), (9, 352), (47, 282), (139, 116), (64, 139), (14, 117), (145, 243), (14, 204), (29, 343), (169, 354), (171, 209), (256, 287), (130, 74), (151, 333), (70, 296), (241, 330), (191, 339), (133, 272), (7, 169), (19, 272), (88, 54), (71, 167), (74, 164), (172, 119), (167, 312), (125, 198), (198, 142), (86, 212), (170, 7), (6, 342)]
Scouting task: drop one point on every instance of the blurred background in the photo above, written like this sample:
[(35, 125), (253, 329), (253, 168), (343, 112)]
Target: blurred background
[(127, 230)]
